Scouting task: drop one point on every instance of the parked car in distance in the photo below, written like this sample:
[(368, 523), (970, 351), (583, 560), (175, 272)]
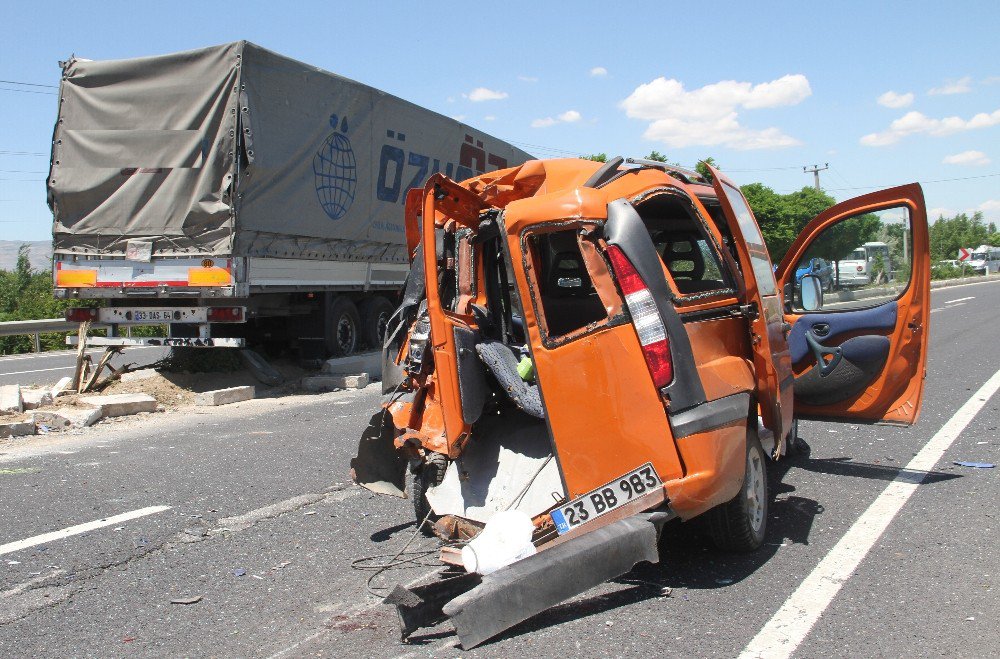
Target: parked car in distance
[(820, 268)]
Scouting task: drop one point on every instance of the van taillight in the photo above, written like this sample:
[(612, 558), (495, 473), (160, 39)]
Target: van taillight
[(645, 317), (225, 314), (81, 314)]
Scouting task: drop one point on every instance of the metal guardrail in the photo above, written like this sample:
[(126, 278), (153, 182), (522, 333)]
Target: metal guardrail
[(36, 328)]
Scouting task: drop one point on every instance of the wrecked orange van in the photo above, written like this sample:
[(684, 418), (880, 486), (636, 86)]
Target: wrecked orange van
[(600, 348)]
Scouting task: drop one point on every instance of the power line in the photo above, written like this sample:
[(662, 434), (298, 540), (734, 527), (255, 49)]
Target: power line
[(20, 171), (940, 180), (27, 91), (27, 84), (23, 153)]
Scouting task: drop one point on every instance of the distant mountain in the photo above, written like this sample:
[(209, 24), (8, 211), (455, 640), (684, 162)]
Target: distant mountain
[(39, 253)]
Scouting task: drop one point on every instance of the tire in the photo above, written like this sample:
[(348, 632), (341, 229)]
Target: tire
[(342, 327), (426, 476), (375, 313), (740, 524)]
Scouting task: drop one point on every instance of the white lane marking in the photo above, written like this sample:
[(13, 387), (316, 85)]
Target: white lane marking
[(947, 308), (793, 621), (42, 370), (961, 299), (79, 528)]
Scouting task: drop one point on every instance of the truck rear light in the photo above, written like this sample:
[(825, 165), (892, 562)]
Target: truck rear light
[(81, 314), (861, 268), (225, 314), (645, 318)]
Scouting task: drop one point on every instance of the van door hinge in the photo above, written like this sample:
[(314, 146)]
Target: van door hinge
[(751, 311)]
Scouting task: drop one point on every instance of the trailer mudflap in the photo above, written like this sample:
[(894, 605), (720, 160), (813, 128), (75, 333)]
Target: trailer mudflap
[(489, 605)]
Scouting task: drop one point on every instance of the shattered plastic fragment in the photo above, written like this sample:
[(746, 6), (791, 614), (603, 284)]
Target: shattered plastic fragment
[(977, 465)]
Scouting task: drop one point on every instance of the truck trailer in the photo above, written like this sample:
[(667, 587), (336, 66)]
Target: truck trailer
[(234, 196)]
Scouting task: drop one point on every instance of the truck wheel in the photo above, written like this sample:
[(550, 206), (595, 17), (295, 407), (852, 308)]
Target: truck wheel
[(739, 524), (375, 314), (426, 476), (342, 327)]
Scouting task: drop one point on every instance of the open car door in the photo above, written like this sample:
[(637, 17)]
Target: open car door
[(767, 324), (859, 352)]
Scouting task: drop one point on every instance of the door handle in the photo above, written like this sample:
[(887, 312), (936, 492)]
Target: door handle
[(820, 351)]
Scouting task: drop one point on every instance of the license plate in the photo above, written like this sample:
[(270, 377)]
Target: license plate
[(153, 315), (606, 498)]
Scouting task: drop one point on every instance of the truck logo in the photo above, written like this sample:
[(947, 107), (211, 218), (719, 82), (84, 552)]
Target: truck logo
[(336, 172)]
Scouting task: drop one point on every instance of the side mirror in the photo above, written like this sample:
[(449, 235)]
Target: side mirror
[(811, 293)]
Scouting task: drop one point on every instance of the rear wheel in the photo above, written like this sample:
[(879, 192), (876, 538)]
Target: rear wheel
[(342, 327), (427, 475), (739, 525), (375, 314)]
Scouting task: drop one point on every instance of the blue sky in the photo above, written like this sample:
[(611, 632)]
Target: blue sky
[(884, 94)]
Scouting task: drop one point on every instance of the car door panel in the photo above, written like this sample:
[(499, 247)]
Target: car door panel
[(827, 328), (873, 359)]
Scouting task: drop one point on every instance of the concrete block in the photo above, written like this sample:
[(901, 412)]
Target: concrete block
[(35, 398), (369, 363), (16, 429), (261, 369), (121, 404), (62, 386), (10, 398), (224, 396), (64, 418), (317, 383), (140, 375)]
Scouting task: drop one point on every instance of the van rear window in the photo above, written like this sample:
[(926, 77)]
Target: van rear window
[(563, 289)]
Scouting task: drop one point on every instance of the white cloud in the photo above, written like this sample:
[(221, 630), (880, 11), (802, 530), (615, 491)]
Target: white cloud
[(960, 86), (914, 122), (480, 94), (527, 78), (975, 158), (935, 213), (708, 116), (567, 117), (891, 99), (489, 117), (598, 72), (991, 206)]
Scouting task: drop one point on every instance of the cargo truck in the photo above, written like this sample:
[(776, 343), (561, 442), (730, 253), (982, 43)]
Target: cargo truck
[(237, 196)]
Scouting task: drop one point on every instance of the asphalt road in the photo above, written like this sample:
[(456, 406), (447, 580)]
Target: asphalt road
[(263, 526), (45, 368)]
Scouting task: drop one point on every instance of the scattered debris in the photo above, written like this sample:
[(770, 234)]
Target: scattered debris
[(977, 465), (121, 404), (239, 572), (320, 383), (186, 600), (62, 387), (66, 417), (667, 591), (16, 429), (224, 396), (311, 512), (723, 582), (10, 398), (35, 398)]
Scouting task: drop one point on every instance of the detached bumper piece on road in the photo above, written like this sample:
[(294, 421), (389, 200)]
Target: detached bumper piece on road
[(483, 607)]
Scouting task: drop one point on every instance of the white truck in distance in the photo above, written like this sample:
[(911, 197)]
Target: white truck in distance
[(238, 196)]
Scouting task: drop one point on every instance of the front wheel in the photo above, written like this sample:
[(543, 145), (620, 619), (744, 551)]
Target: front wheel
[(428, 474), (739, 525)]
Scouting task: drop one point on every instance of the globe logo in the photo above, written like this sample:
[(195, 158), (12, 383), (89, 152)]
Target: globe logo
[(335, 170)]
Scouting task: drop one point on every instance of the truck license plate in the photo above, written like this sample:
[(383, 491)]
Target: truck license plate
[(606, 498), (152, 315)]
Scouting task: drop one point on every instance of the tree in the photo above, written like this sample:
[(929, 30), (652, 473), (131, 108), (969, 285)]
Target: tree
[(782, 217), (949, 234), (657, 156), (702, 167), (596, 157)]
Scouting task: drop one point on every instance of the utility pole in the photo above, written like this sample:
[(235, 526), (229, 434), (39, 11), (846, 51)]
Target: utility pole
[(815, 172)]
